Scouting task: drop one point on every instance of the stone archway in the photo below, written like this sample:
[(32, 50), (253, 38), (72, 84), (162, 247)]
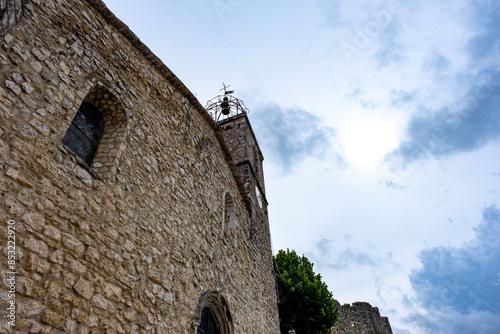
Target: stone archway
[(213, 310)]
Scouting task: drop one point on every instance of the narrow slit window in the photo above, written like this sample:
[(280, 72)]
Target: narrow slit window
[(229, 223), (85, 132)]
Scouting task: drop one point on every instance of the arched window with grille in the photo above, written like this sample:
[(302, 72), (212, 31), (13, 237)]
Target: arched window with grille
[(85, 132), (97, 134)]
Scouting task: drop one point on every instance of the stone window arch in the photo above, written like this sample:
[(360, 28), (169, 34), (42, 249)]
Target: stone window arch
[(104, 159), (229, 223), (212, 314)]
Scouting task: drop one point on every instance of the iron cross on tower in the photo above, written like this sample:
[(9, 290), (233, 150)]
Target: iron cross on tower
[(225, 89)]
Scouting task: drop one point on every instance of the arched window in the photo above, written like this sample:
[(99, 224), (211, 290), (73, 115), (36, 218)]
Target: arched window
[(85, 132), (97, 134)]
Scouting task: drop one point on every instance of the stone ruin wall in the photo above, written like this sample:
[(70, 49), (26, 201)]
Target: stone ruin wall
[(361, 318), (132, 243)]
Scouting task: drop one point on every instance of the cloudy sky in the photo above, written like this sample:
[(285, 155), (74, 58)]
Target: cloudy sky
[(380, 126)]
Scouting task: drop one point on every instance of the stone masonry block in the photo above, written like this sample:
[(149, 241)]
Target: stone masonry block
[(100, 301), (36, 246), (73, 244), (52, 233), (84, 288), (34, 220), (52, 318)]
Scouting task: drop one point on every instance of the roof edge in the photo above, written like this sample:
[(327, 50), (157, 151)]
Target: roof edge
[(100, 7)]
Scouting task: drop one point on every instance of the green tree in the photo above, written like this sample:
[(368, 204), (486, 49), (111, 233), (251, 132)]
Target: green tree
[(304, 300)]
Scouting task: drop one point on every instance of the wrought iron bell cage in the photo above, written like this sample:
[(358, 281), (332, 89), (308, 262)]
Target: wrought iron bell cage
[(225, 106)]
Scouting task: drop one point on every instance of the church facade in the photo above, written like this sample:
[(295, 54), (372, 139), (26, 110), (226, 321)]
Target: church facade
[(134, 211)]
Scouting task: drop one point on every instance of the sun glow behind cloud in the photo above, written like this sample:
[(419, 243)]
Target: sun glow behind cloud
[(365, 142)]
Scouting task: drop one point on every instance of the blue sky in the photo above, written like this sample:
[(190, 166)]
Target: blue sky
[(380, 126)]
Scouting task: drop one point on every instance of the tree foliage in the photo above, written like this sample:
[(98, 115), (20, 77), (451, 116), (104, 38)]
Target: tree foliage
[(304, 300)]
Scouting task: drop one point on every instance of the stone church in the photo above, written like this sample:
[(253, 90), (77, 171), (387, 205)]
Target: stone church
[(134, 208)]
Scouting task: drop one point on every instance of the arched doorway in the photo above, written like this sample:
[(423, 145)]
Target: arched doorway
[(213, 314), (207, 324)]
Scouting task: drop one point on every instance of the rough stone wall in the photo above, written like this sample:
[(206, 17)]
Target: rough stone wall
[(361, 318), (386, 326), (11, 12), (132, 243), (239, 136)]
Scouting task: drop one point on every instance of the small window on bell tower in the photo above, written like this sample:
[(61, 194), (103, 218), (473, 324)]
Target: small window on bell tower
[(259, 196), (229, 223)]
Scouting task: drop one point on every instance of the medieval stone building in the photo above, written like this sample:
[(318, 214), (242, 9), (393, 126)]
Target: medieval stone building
[(361, 318), (134, 211)]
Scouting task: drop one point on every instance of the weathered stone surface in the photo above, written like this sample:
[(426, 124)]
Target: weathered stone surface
[(28, 308), (57, 257), (135, 242), (42, 128), (27, 88), (40, 53), (34, 220), (52, 233), (83, 175), (73, 244), (84, 288), (42, 266), (24, 286), (52, 318), (54, 290), (99, 301), (77, 267), (112, 291), (13, 87), (361, 317), (36, 246)]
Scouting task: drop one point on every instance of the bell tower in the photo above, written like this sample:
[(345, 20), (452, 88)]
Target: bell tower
[(231, 115)]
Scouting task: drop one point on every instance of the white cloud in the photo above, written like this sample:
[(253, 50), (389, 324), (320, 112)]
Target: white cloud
[(446, 321), (289, 136), (466, 125), (461, 283)]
